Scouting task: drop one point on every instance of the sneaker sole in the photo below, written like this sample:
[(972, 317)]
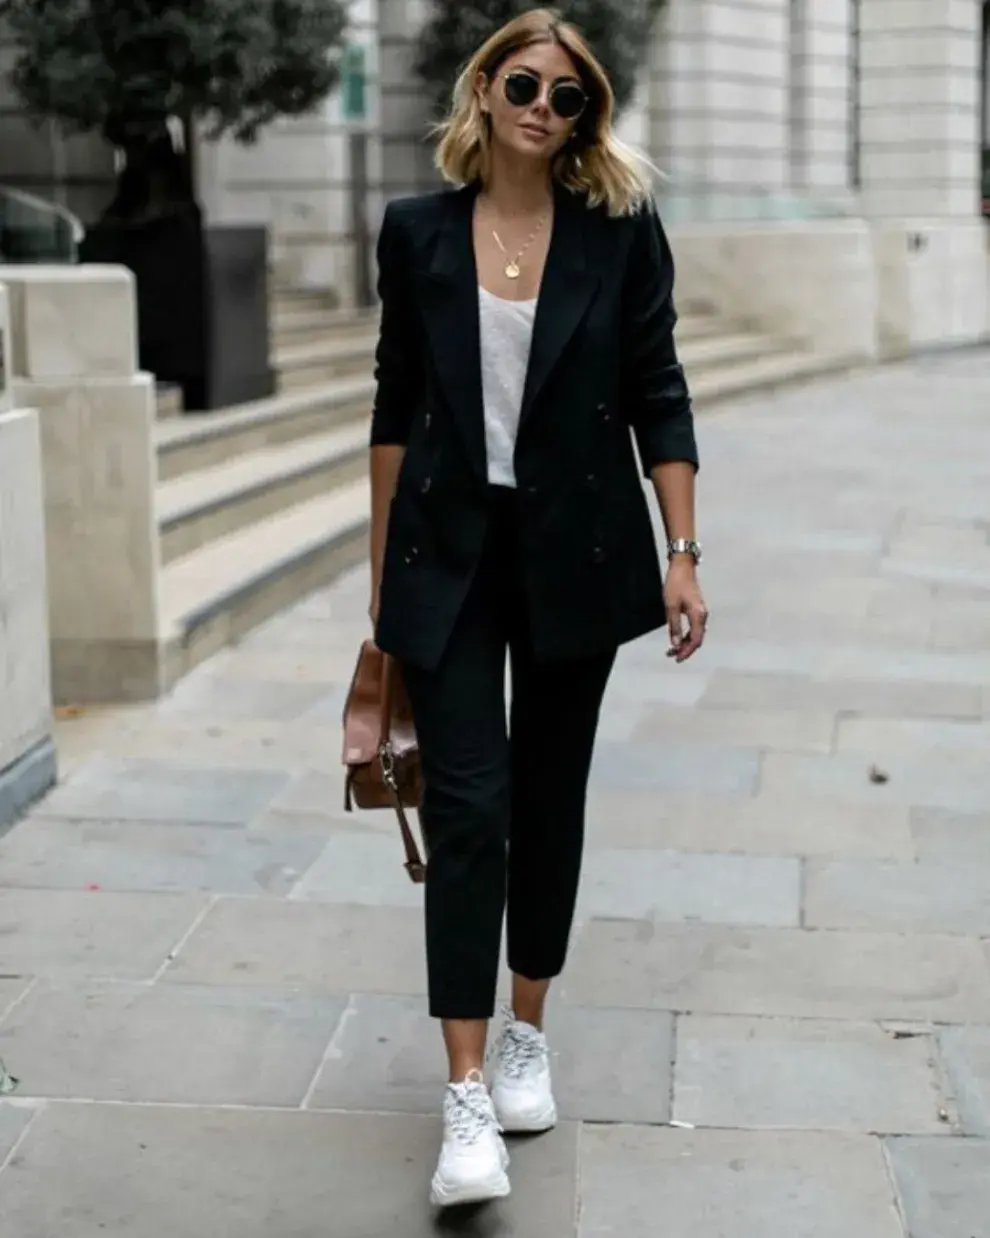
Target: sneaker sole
[(445, 1195), (528, 1123)]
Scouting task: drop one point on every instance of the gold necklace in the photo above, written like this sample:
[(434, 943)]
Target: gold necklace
[(512, 268)]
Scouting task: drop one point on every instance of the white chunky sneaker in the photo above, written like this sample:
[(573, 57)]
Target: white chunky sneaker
[(521, 1088), (473, 1159)]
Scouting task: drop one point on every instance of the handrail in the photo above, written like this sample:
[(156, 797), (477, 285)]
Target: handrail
[(33, 229)]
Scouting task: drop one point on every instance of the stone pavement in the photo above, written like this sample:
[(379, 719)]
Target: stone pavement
[(776, 1022)]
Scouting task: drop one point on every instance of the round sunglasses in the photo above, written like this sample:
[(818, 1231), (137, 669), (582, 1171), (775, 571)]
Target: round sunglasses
[(567, 99)]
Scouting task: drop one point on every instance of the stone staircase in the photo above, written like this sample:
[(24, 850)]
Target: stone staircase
[(262, 503)]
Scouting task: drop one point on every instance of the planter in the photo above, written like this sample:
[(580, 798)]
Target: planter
[(202, 297)]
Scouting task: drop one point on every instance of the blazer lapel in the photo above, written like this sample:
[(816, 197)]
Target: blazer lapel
[(452, 323), (570, 281)]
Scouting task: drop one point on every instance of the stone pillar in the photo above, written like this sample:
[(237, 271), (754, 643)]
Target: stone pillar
[(719, 96), (27, 754), (920, 142), (407, 153), (75, 360), (821, 87)]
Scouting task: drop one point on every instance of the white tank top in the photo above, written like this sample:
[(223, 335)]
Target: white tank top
[(506, 338)]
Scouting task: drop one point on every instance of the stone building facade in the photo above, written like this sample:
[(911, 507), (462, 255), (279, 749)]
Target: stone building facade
[(761, 112)]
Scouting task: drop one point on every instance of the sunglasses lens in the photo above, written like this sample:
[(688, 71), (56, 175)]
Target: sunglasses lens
[(568, 101), (521, 89)]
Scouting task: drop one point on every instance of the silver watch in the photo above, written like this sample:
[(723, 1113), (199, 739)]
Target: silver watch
[(684, 546)]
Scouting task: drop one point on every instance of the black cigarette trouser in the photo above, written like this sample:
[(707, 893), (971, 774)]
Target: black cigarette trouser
[(488, 790)]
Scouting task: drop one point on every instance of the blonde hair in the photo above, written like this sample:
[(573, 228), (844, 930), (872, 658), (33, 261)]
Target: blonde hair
[(595, 162)]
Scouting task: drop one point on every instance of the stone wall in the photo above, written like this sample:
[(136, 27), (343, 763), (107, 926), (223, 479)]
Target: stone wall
[(718, 93), (27, 755), (813, 283)]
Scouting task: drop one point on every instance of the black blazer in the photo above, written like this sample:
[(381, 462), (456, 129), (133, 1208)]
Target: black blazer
[(602, 364)]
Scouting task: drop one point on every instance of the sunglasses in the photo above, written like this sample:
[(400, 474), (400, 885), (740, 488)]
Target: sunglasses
[(567, 99)]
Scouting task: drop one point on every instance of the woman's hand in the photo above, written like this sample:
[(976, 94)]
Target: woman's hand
[(685, 607)]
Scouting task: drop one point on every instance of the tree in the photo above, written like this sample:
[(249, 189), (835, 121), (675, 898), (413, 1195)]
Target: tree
[(134, 71), (618, 30)]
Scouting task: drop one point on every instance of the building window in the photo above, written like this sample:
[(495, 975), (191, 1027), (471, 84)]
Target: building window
[(855, 96)]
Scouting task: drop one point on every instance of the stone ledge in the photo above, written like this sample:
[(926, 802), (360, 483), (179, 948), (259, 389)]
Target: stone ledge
[(27, 780)]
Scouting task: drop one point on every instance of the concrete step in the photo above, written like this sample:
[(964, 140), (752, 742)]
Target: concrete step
[(201, 507), (217, 594), (168, 400), (205, 440), (323, 300), (784, 368), (292, 326), (308, 365), (710, 352)]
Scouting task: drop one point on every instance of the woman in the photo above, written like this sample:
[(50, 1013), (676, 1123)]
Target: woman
[(526, 327)]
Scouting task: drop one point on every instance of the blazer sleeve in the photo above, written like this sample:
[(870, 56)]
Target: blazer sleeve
[(655, 392), (398, 359)]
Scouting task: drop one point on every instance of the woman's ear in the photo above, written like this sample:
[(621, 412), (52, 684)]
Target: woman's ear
[(481, 88)]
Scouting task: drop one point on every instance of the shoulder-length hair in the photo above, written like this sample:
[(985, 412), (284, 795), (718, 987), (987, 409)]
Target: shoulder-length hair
[(595, 162)]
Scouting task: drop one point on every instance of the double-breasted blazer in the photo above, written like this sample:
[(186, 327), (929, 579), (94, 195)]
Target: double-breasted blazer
[(603, 374)]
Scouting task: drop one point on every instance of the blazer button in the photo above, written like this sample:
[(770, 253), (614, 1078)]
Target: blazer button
[(598, 554), (425, 487), (593, 482)]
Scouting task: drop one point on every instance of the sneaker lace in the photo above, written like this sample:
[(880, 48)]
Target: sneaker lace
[(520, 1050), (469, 1114)]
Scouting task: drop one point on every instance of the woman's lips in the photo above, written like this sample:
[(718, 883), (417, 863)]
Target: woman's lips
[(536, 131)]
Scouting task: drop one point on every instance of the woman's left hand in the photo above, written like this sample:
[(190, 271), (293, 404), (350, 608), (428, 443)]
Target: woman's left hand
[(685, 608)]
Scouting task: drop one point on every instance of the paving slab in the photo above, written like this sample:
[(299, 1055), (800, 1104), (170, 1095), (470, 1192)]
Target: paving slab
[(168, 1043), (360, 866), (965, 1052), (944, 1186), (157, 857), (672, 768), (206, 694), (749, 1184), (951, 837), (672, 886), (765, 824), (790, 730), (925, 897), (609, 1065), (934, 783), (807, 1074), (14, 1121), (93, 1170), (881, 698), (796, 972), (105, 935), (879, 737), (149, 790), (274, 748), (305, 946)]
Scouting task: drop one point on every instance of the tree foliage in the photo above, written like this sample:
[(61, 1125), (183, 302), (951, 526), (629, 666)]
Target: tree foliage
[(618, 30), (123, 67)]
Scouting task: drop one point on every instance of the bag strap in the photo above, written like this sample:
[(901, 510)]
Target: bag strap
[(414, 863)]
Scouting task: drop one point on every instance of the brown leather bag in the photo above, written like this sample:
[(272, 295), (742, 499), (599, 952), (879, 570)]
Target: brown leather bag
[(380, 748)]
